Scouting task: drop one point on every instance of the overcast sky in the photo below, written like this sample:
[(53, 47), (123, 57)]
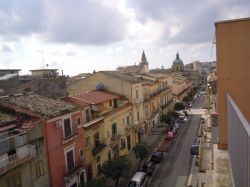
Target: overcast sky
[(85, 35)]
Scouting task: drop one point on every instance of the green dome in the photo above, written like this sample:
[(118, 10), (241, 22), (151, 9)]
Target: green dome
[(177, 60)]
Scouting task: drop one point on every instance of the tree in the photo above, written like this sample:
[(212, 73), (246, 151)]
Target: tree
[(141, 152), (179, 106), (115, 169)]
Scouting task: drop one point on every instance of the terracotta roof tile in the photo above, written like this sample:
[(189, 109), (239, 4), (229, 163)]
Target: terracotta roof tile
[(41, 105), (96, 97), (6, 117)]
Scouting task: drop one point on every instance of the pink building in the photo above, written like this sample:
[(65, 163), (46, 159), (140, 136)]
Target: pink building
[(62, 133)]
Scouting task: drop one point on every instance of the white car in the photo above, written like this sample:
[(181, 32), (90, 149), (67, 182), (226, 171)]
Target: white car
[(185, 119)]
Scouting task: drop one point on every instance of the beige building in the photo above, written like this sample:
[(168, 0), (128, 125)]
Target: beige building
[(22, 151), (180, 86), (125, 84), (233, 89), (44, 73)]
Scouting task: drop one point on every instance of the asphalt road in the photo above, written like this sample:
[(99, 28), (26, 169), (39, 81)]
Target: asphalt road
[(174, 169)]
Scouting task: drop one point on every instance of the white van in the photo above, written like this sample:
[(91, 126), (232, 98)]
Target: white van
[(139, 180)]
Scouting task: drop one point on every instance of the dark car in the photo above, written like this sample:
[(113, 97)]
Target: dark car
[(156, 157), (148, 168), (195, 149)]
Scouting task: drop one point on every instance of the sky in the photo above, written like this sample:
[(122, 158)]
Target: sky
[(79, 36)]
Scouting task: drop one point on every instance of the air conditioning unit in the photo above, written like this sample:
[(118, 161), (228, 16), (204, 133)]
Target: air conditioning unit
[(58, 124)]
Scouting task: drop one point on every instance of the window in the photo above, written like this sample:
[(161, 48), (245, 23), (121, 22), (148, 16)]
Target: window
[(70, 160), (15, 180), (67, 128), (39, 168), (115, 103), (114, 129), (138, 116), (137, 94), (97, 140), (87, 142), (110, 103), (78, 121), (81, 154), (127, 119), (123, 144), (87, 115)]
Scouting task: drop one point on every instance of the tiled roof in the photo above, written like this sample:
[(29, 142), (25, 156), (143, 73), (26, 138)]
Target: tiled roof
[(123, 76), (6, 117), (95, 97), (131, 69), (76, 101), (38, 104)]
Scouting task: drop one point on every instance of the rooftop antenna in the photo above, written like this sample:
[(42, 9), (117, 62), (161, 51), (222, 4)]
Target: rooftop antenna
[(213, 43), (41, 51)]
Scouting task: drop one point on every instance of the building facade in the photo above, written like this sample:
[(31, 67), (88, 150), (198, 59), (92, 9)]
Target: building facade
[(233, 64)]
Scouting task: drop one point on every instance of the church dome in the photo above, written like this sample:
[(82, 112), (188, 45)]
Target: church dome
[(177, 60)]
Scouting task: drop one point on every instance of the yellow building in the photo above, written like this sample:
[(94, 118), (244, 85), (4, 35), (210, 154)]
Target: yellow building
[(107, 127), (129, 86)]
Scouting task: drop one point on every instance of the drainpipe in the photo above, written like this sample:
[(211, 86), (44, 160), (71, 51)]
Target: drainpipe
[(47, 151)]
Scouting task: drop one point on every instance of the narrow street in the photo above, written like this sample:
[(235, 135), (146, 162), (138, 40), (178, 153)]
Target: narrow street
[(174, 169)]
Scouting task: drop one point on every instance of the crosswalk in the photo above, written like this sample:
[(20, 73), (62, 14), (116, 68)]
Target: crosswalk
[(197, 111)]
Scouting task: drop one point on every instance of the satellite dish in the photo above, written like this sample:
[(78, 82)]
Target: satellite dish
[(100, 86)]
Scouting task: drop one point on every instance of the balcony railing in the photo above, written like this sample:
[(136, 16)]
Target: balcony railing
[(238, 144), (92, 122), (26, 153), (72, 172), (98, 148)]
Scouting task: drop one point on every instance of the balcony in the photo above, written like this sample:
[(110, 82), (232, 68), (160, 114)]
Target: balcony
[(68, 175), (238, 143), (23, 154), (92, 122), (98, 148)]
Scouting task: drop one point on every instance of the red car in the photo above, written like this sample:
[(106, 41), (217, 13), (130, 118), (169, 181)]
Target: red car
[(170, 135)]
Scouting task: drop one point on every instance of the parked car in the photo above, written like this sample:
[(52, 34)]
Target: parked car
[(138, 180), (174, 129), (185, 112), (170, 135), (148, 168), (185, 119), (177, 125), (156, 157), (194, 149)]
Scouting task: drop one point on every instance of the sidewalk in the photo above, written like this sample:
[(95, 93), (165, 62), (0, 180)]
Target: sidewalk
[(211, 168), (151, 141)]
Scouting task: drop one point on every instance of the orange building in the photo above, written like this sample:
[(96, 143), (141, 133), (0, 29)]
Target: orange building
[(233, 89), (233, 65)]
